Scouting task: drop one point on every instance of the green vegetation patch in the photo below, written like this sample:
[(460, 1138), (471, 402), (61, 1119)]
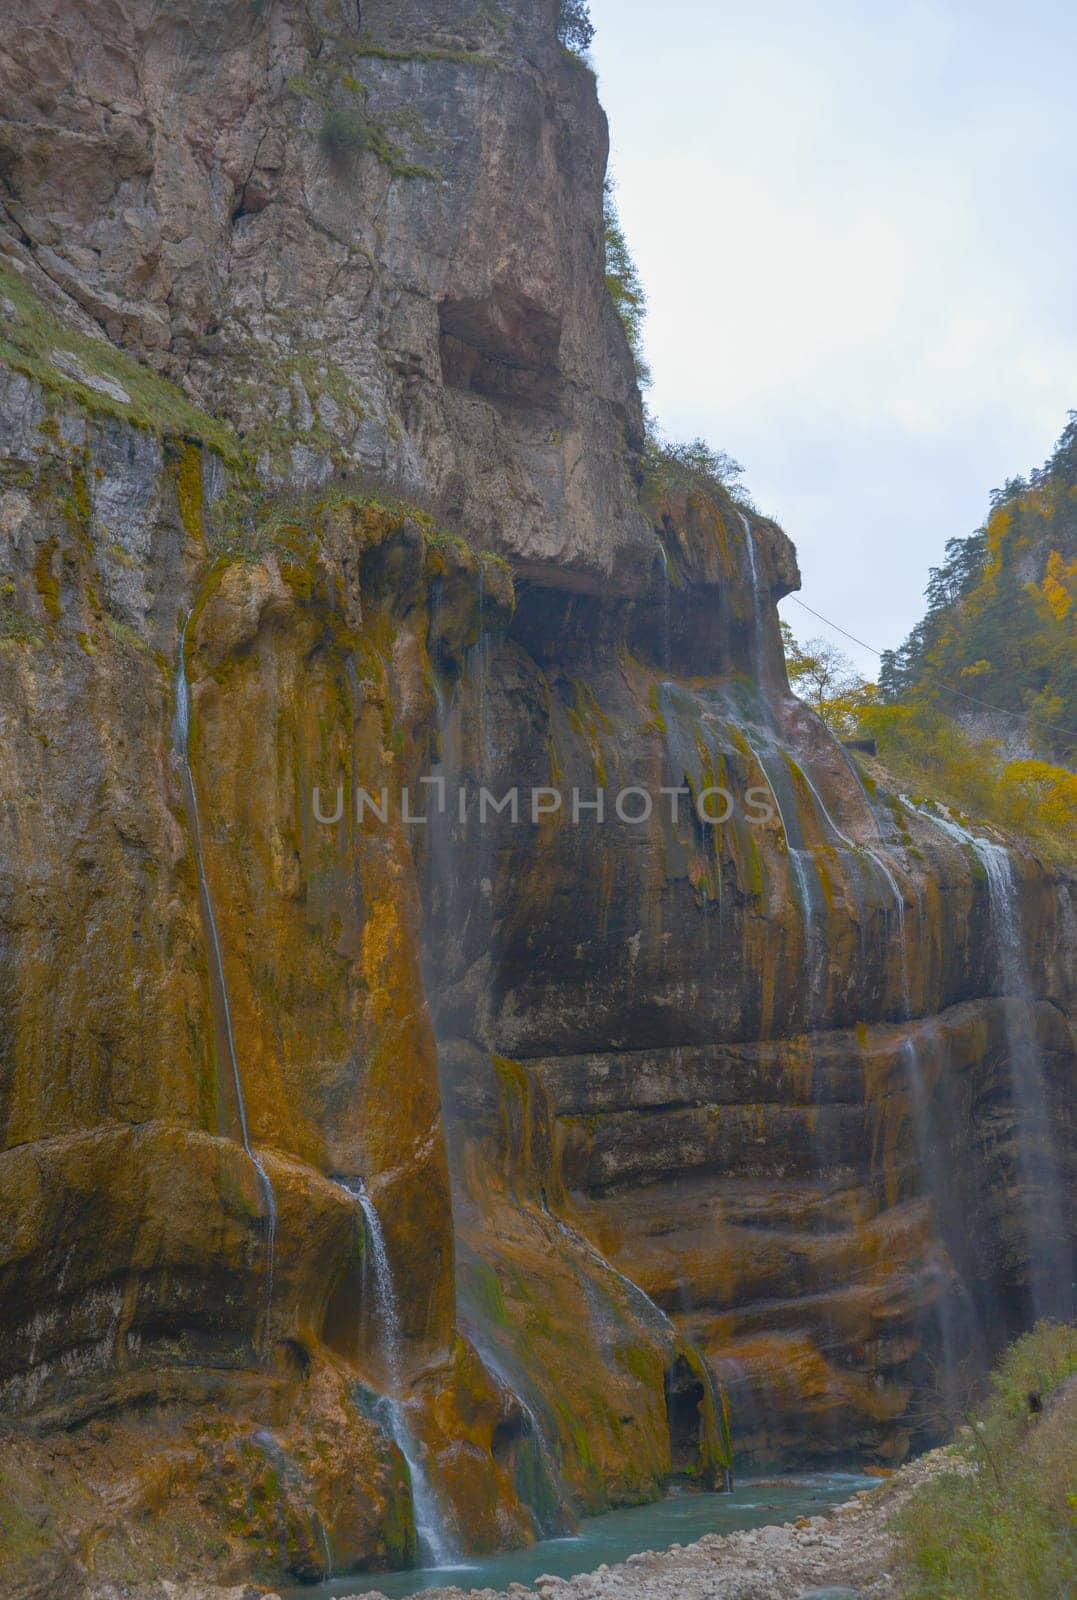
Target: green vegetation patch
[(1001, 1525), (348, 131), (98, 376), (463, 58), (623, 282), (16, 628), (344, 135)]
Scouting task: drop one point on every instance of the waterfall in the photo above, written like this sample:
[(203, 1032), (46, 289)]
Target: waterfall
[(181, 739), (903, 947), (933, 1178), (883, 871), (564, 1520), (434, 1544), (799, 861), (1050, 1262), (481, 653), (663, 556), (1050, 1258), (758, 653), (653, 1313), (326, 1551)]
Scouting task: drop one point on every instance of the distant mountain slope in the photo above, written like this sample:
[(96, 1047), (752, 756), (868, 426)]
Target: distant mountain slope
[(1001, 625)]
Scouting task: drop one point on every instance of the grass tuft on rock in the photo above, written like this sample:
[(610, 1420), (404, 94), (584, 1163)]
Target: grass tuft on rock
[(97, 375)]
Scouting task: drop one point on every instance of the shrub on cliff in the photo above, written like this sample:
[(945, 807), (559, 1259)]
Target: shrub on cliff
[(1000, 1525), (826, 679), (624, 284), (574, 26), (691, 465)]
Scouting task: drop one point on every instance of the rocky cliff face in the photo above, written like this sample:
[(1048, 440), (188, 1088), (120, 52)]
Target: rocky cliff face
[(317, 421), (376, 251)]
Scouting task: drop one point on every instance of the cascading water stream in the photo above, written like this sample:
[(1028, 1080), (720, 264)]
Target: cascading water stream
[(758, 652), (803, 882), (1050, 1259), (903, 945), (563, 1519), (1050, 1264), (326, 1551), (434, 1543), (663, 557), (933, 1178), (653, 1313), (883, 871), (181, 738)]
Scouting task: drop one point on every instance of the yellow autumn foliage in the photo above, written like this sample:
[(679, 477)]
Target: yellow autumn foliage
[(1038, 795), (1060, 585), (928, 752)]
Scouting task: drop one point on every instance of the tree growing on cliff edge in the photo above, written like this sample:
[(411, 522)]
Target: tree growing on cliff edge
[(624, 284), (692, 464), (574, 26), (825, 678)]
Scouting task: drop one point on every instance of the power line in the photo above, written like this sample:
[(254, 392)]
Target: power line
[(861, 642), (1018, 716)]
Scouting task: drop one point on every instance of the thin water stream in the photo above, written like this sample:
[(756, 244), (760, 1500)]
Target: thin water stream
[(758, 650), (663, 557), (181, 738), (803, 871)]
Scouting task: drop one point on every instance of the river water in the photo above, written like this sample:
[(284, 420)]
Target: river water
[(678, 1519)]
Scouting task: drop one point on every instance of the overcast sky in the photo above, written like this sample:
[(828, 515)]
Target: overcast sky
[(856, 226)]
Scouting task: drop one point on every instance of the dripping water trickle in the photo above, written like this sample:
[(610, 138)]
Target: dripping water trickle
[(902, 940), (181, 737), (883, 872), (1050, 1265)]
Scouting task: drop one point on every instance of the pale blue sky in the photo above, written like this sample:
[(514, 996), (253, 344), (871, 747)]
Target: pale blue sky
[(856, 226)]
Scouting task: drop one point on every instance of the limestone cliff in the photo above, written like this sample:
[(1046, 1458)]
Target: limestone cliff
[(366, 1182)]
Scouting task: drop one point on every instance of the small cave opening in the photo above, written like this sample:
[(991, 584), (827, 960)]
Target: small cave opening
[(503, 346), (684, 1406), (686, 1410), (509, 1431)]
